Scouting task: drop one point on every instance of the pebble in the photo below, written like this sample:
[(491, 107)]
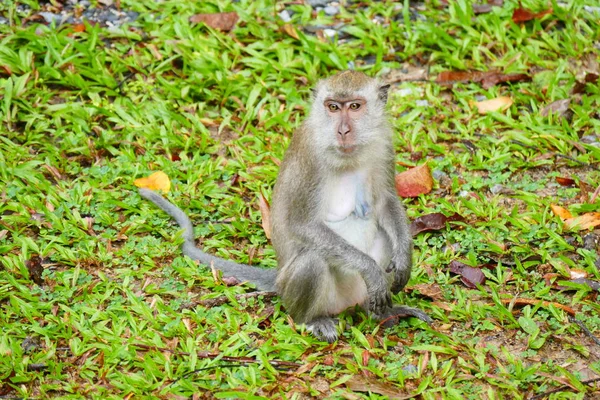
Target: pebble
[(285, 16), (438, 174), (317, 3), (331, 10), (496, 189), (422, 103), (51, 17), (330, 33), (3, 21)]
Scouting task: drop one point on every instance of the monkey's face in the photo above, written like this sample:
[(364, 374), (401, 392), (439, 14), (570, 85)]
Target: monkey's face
[(347, 116), (344, 114)]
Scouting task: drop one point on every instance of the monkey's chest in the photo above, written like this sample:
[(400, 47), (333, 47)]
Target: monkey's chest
[(348, 211)]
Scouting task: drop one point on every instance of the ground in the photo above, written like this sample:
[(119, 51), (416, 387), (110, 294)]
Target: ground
[(96, 299)]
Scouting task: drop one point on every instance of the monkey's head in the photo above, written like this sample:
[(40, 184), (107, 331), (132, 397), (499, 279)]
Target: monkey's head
[(348, 115)]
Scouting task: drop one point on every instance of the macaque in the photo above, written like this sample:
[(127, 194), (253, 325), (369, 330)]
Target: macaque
[(339, 231)]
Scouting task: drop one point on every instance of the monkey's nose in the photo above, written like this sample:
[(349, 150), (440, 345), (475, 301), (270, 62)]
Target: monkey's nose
[(344, 130)]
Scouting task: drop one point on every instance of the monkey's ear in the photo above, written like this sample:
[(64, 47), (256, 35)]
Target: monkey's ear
[(383, 92)]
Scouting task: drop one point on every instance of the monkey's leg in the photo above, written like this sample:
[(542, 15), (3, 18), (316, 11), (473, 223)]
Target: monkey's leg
[(306, 287), (392, 316)]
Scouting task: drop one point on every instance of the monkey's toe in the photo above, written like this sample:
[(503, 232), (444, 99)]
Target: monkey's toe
[(324, 329)]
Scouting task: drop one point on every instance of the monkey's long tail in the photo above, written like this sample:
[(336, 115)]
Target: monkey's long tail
[(264, 279)]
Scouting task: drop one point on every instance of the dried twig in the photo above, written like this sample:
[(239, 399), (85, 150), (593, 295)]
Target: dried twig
[(533, 302), (560, 389), (585, 329)]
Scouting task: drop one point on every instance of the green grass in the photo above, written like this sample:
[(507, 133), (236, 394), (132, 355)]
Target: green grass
[(120, 313)]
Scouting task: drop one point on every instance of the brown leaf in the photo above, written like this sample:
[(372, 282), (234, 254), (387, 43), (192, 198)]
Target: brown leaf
[(558, 107), (470, 276), (265, 212), (157, 181), (524, 302), (582, 222), (565, 181), (230, 281), (35, 268), (431, 222), (408, 73), (221, 21), (522, 15), (415, 181), (431, 290), (498, 104), (363, 384), (290, 30), (486, 78), (365, 357), (561, 212)]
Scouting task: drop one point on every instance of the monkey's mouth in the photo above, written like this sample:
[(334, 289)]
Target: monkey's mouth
[(347, 149)]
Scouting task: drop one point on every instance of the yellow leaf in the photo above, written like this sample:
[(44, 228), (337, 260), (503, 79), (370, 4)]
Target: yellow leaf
[(585, 221), (265, 212), (561, 212), (498, 104), (290, 31), (157, 181)]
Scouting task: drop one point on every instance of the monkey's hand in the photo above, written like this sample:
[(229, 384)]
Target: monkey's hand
[(400, 266), (379, 296)]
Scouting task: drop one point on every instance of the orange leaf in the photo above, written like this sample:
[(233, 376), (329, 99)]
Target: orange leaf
[(157, 181), (414, 182), (561, 212), (265, 212), (522, 14), (585, 221), (498, 104), (290, 31)]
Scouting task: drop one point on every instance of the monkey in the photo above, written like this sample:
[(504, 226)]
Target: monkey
[(340, 233)]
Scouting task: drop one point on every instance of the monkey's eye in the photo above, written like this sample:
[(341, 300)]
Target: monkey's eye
[(354, 106), (333, 107)]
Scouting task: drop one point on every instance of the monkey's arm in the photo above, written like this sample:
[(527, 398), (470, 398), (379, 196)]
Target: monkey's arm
[(394, 222), (335, 247), (264, 279)]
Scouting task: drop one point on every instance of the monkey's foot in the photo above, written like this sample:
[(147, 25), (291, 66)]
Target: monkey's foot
[(393, 315), (323, 328)]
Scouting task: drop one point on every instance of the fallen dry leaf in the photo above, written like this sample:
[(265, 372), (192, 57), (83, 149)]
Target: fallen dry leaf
[(265, 212), (290, 30), (408, 73), (35, 268), (363, 384), (522, 15), (432, 222), (558, 107), (431, 290), (470, 276), (524, 302), (562, 181), (221, 21), (582, 222), (157, 181), (498, 104), (486, 78), (561, 212), (415, 181)]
